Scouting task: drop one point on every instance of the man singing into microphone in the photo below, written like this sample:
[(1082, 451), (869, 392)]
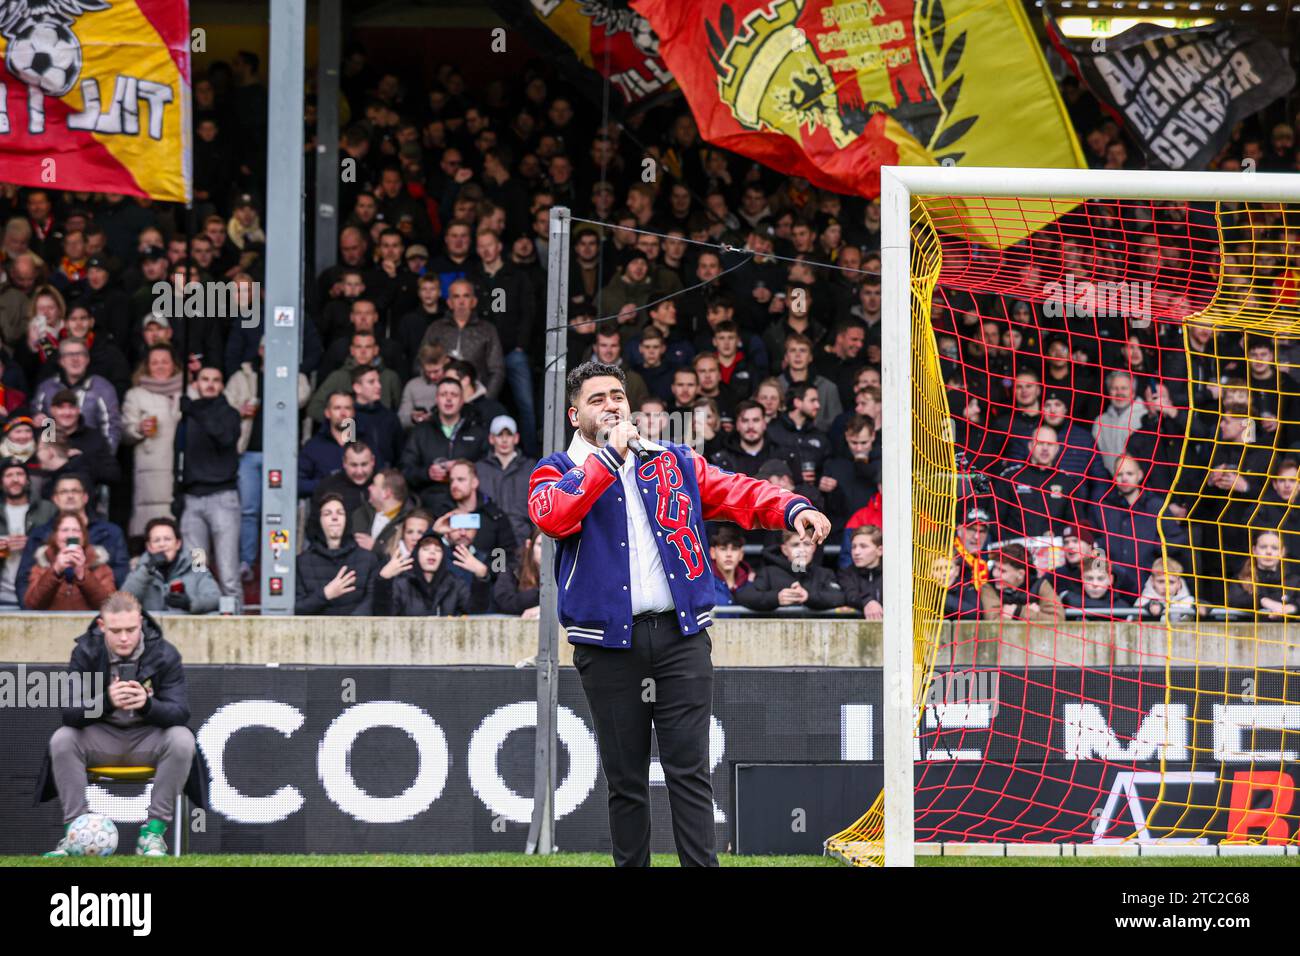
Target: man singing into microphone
[(636, 591)]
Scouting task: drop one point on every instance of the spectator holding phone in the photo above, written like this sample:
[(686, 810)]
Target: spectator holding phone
[(470, 562), (166, 578), (429, 588), (70, 494), (140, 718), (336, 576), (420, 396), (70, 574), (441, 439)]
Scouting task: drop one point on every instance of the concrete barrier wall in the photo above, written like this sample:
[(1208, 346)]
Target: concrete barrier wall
[(489, 640), (748, 642)]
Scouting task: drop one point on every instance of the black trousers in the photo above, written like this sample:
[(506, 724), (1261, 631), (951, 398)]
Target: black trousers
[(666, 679)]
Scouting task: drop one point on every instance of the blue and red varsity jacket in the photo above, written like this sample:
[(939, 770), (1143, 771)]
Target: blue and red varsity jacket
[(576, 497)]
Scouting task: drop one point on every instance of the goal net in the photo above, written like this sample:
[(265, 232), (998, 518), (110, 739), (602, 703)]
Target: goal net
[(1095, 603)]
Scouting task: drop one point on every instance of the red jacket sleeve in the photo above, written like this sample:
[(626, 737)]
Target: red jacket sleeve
[(558, 501), (747, 501)]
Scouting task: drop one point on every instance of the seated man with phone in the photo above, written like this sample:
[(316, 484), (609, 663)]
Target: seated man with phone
[(137, 716)]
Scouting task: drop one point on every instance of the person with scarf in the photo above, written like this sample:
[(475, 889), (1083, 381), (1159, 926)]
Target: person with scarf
[(20, 441), (429, 589), (336, 576), (150, 416)]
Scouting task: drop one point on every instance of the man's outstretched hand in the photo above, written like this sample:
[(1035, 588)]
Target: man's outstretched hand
[(812, 524)]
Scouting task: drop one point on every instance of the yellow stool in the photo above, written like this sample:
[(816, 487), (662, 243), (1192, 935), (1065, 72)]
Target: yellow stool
[(180, 831)]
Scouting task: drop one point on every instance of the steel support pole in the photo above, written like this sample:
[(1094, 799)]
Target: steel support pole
[(541, 832), (329, 53), (282, 309)]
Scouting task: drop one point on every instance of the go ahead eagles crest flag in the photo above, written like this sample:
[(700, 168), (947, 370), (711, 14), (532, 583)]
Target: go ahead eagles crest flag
[(95, 96), (1178, 93), (831, 90)]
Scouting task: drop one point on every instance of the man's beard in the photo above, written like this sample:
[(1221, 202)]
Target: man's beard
[(11, 496)]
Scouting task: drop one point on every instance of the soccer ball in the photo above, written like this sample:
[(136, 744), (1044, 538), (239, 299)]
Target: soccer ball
[(45, 54), (644, 37), (92, 834)]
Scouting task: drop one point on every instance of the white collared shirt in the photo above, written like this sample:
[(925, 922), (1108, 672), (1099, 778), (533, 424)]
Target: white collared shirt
[(649, 584)]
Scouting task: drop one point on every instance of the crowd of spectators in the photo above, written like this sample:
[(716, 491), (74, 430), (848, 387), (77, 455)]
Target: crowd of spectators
[(743, 305)]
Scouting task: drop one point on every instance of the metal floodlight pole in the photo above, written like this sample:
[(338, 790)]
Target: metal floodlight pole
[(282, 315), (329, 51), (898, 186), (541, 832)]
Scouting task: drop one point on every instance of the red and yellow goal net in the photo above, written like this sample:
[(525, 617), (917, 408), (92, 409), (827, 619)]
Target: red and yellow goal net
[(1105, 525)]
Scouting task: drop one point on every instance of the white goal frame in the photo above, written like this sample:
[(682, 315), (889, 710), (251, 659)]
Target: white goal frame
[(898, 186)]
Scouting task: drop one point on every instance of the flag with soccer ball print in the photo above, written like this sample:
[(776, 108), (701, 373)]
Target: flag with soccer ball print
[(95, 96)]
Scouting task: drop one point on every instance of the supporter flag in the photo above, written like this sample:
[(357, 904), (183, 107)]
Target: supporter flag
[(1178, 93), (595, 41), (95, 96), (831, 90)]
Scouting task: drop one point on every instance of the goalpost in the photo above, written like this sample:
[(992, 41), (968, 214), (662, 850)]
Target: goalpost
[(955, 240)]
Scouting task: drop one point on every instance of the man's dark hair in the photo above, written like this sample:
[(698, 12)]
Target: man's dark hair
[(464, 369), (164, 522), (356, 448), (447, 380), (728, 536), (360, 371), (746, 405), (844, 325), (573, 383), (797, 393)]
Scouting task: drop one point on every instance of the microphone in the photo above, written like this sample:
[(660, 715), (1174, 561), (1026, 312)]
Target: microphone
[(634, 445)]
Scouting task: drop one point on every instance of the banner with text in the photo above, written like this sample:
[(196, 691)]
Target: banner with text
[(95, 96), (1178, 93)]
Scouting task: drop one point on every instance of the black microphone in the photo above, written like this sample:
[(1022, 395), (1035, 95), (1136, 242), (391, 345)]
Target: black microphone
[(634, 445)]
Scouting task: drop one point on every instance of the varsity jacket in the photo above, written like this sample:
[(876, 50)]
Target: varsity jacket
[(576, 497)]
